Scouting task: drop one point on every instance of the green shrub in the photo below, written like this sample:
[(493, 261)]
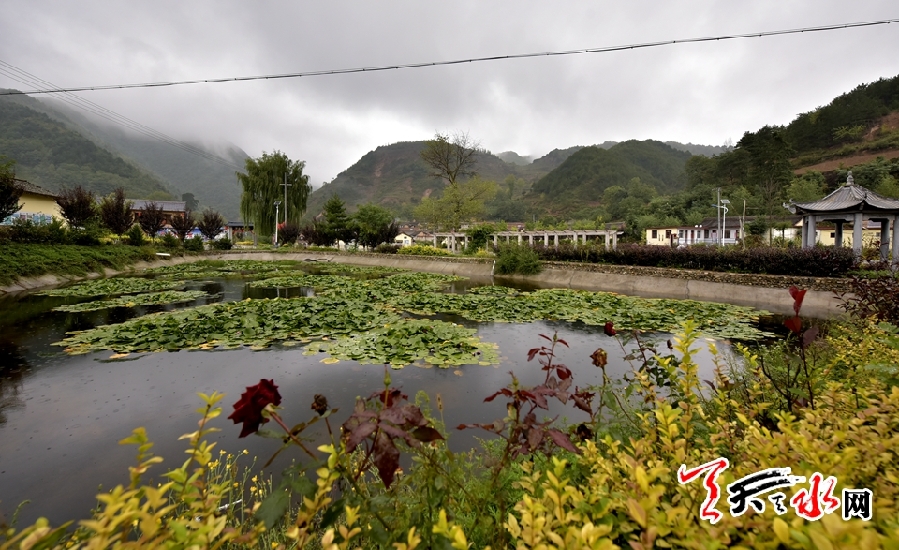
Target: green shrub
[(423, 250), (221, 244), (616, 492), (135, 236), (170, 242), (385, 248), (194, 244), (28, 232), (514, 259)]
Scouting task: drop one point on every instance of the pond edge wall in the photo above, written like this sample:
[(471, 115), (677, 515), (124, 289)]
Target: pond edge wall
[(773, 298)]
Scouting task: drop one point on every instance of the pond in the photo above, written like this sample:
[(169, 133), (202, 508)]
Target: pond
[(62, 414)]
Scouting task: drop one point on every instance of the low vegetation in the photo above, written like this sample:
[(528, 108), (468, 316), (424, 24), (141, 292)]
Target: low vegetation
[(819, 402), (812, 262), (32, 260)]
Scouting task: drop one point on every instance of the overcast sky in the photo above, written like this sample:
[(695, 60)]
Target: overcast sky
[(702, 93)]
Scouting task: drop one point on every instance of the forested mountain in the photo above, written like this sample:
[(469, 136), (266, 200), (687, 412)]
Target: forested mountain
[(55, 145), (52, 155), (585, 175), (394, 176), (212, 183)]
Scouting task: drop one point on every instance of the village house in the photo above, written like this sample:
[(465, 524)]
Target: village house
[(38, 205), (403, 239)]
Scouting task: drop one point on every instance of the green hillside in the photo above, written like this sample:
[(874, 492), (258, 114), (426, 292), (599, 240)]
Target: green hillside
[(394, 176), (855, 116), (52, 155), (584, 176), (212, 183)]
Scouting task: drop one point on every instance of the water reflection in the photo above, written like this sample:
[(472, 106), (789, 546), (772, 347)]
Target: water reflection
[(12, 370), (61, 416)]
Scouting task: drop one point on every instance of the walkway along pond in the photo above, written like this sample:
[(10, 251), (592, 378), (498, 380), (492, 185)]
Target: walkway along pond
[(62, 413)]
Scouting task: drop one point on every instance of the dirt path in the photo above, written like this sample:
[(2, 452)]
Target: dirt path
[(847, 162)]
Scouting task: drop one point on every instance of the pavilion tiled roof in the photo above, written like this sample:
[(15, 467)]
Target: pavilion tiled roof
[(848, 197)]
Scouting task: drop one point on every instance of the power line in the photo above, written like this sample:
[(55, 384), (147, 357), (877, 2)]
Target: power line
[(20, 75), (606, 49)]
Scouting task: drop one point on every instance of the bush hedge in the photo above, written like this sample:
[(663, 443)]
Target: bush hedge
[(812, 262), (423, 250)]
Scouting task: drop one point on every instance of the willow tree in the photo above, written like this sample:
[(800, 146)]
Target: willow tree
[(263, 184)]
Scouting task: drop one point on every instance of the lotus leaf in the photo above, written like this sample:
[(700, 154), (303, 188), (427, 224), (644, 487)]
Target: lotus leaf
[(113, 286), (409, 341), (256, 323), (152, 298)]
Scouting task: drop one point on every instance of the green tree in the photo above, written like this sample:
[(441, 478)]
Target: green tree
[(888, 186), (375, 225), (460, 203), (806, 188), (337, 225), (10, 190), (190, 202), (769, 164), (115, 212), (263, 185)]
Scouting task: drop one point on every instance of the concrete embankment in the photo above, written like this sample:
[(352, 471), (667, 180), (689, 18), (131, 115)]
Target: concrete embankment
[(760, 291)]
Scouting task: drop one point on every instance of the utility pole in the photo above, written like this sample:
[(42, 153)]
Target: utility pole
[(718, 214), (286, 185), (276, 222)]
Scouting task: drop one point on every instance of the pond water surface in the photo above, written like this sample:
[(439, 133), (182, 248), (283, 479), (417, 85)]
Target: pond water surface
[(62, 416)]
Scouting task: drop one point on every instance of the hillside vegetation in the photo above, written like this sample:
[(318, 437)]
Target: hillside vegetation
[(394, 176), (585, 175), (212, 183), (50, 154)]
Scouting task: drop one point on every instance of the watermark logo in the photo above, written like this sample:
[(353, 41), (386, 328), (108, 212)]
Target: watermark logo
[(812, 501)]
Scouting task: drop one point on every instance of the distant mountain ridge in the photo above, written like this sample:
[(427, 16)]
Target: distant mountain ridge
[(51, 154), (100, 156), (394, 175)]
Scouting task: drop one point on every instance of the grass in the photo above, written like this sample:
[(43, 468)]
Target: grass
[(32, 260)]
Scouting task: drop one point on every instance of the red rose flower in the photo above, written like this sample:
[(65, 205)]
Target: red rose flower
[(609, 329), (249, 409), (798, 296)]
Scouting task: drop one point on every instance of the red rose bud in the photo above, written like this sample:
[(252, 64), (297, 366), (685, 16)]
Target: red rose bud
[(798, 296), (248, 410), (609, 329)]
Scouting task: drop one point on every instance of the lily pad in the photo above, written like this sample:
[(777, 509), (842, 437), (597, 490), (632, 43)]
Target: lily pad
[(151, 298), (112, 287), (410, 341)]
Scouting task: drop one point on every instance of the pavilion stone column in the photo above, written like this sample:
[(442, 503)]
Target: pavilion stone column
[(575, 239), (494, 240), (556, 240), (838, 233), (804, 232), (615, 240), (605, 240), (530, 240), (812, 232), (884, 238), (857, 234), (546, 239), (466, 240), (519, 239), (435, 240), (896, 240)]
